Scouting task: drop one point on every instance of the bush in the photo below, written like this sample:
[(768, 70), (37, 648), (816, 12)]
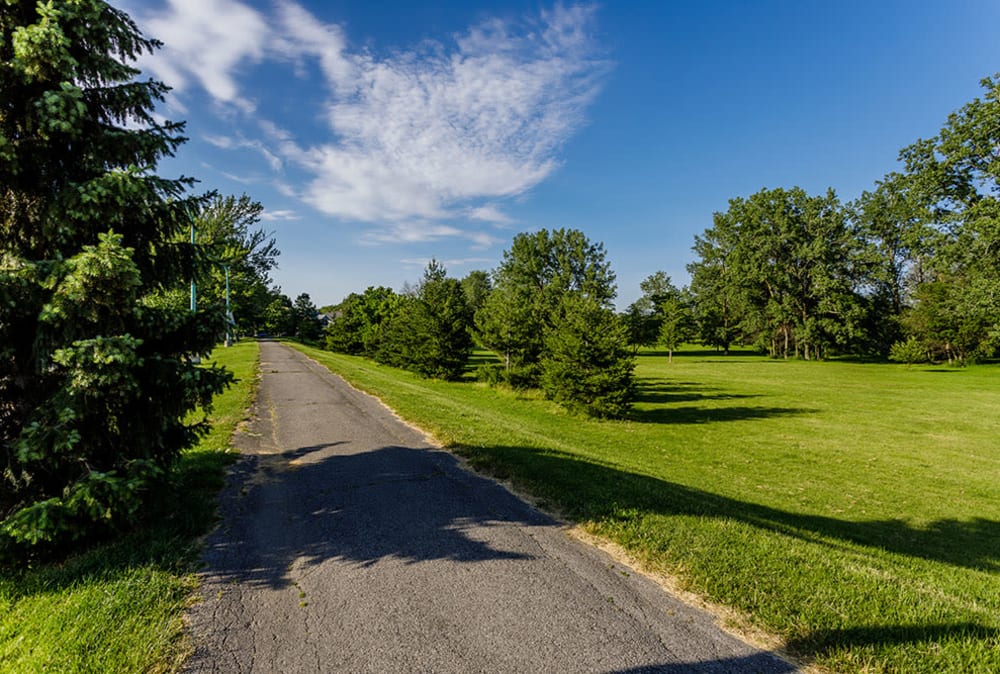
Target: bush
[(909, 351)]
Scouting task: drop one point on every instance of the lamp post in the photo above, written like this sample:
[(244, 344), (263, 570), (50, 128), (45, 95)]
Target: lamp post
[(194, 299), (230, 323), (194, 294)]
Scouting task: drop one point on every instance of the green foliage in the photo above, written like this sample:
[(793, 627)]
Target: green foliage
[(779, 268), (587, 365), (643, 316), (662, 315), (537, 270), (952, 320), (118, 606), (278, 317), (676, 322), (429, 331), (958, 177), (477, 287), (97, 371), (909, 351), (306, 319), (227, 229), (546, 290), (891, 225), (359, 321)]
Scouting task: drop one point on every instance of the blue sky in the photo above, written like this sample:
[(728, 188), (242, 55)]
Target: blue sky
[(378, 135)]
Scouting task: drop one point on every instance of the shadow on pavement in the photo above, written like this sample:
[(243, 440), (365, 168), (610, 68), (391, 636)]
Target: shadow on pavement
[(758, 662), (394, 503)]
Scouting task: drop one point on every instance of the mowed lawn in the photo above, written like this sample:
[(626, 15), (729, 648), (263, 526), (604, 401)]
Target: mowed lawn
[(118, 607), (850, 510)]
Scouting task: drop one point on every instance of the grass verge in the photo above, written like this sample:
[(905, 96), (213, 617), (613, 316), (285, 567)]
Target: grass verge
[(851, 510), (118, 607)]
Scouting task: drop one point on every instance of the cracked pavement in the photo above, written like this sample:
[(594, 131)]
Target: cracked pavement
[(349, 543)]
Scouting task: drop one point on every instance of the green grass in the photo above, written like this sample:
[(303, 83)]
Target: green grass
[(851, 510), (118, 607)]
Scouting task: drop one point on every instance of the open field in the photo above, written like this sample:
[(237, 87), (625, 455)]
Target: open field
[(118, 607), (851, 510)]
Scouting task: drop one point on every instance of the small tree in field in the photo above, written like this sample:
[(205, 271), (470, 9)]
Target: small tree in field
[(909, 351), (97, 365), (676, 322), (588, 364)]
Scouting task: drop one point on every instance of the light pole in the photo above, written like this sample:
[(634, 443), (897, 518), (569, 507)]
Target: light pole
[(194, 296), (230, 323), (194, 299)]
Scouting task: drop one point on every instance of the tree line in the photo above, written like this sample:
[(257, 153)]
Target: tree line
[(546, 311), (910, 270)]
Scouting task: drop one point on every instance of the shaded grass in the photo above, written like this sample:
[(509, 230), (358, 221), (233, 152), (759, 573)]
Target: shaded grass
[(852, 510), (118, 607)]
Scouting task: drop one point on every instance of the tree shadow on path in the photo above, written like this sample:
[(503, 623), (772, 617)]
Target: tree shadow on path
[(310, 504)]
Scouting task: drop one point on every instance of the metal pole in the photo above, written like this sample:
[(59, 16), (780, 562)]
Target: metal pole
[(194, 300), (229, 314)]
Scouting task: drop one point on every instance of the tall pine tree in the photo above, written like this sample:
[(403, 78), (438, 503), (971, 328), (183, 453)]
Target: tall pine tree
[(97, 372)]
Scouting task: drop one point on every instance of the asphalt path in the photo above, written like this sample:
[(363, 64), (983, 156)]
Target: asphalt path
[(349, 543)]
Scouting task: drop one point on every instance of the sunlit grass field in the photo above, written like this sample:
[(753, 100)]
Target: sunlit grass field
[(118, 607), (850, 510)]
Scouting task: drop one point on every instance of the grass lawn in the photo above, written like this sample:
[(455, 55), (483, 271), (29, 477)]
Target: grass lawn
[(850, 510), (118, 607)]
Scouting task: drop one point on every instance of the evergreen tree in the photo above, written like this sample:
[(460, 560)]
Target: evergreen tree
[(306, 318), (587, 365), (97, 372), (429, 332), (537, 270)]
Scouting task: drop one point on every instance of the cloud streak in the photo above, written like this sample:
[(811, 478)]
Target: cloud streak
[(440, 133)]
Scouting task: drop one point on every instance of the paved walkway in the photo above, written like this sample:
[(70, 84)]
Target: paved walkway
[(349, 544)]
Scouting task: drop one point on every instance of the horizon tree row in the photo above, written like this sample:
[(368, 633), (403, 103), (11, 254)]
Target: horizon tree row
[(910, 270), (545, 312)]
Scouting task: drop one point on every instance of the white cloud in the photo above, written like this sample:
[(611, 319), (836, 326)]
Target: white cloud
[(423, 231), (206, 41), (228, 143), (489, 213), (279, 215), (439, 133), (448, 264)]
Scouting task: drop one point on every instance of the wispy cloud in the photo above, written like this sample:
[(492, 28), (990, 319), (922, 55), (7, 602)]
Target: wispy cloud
[(422, 232), (229, 143), (489, 213), (279, 215), (207, 42), (420, 142), (449, 264)]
